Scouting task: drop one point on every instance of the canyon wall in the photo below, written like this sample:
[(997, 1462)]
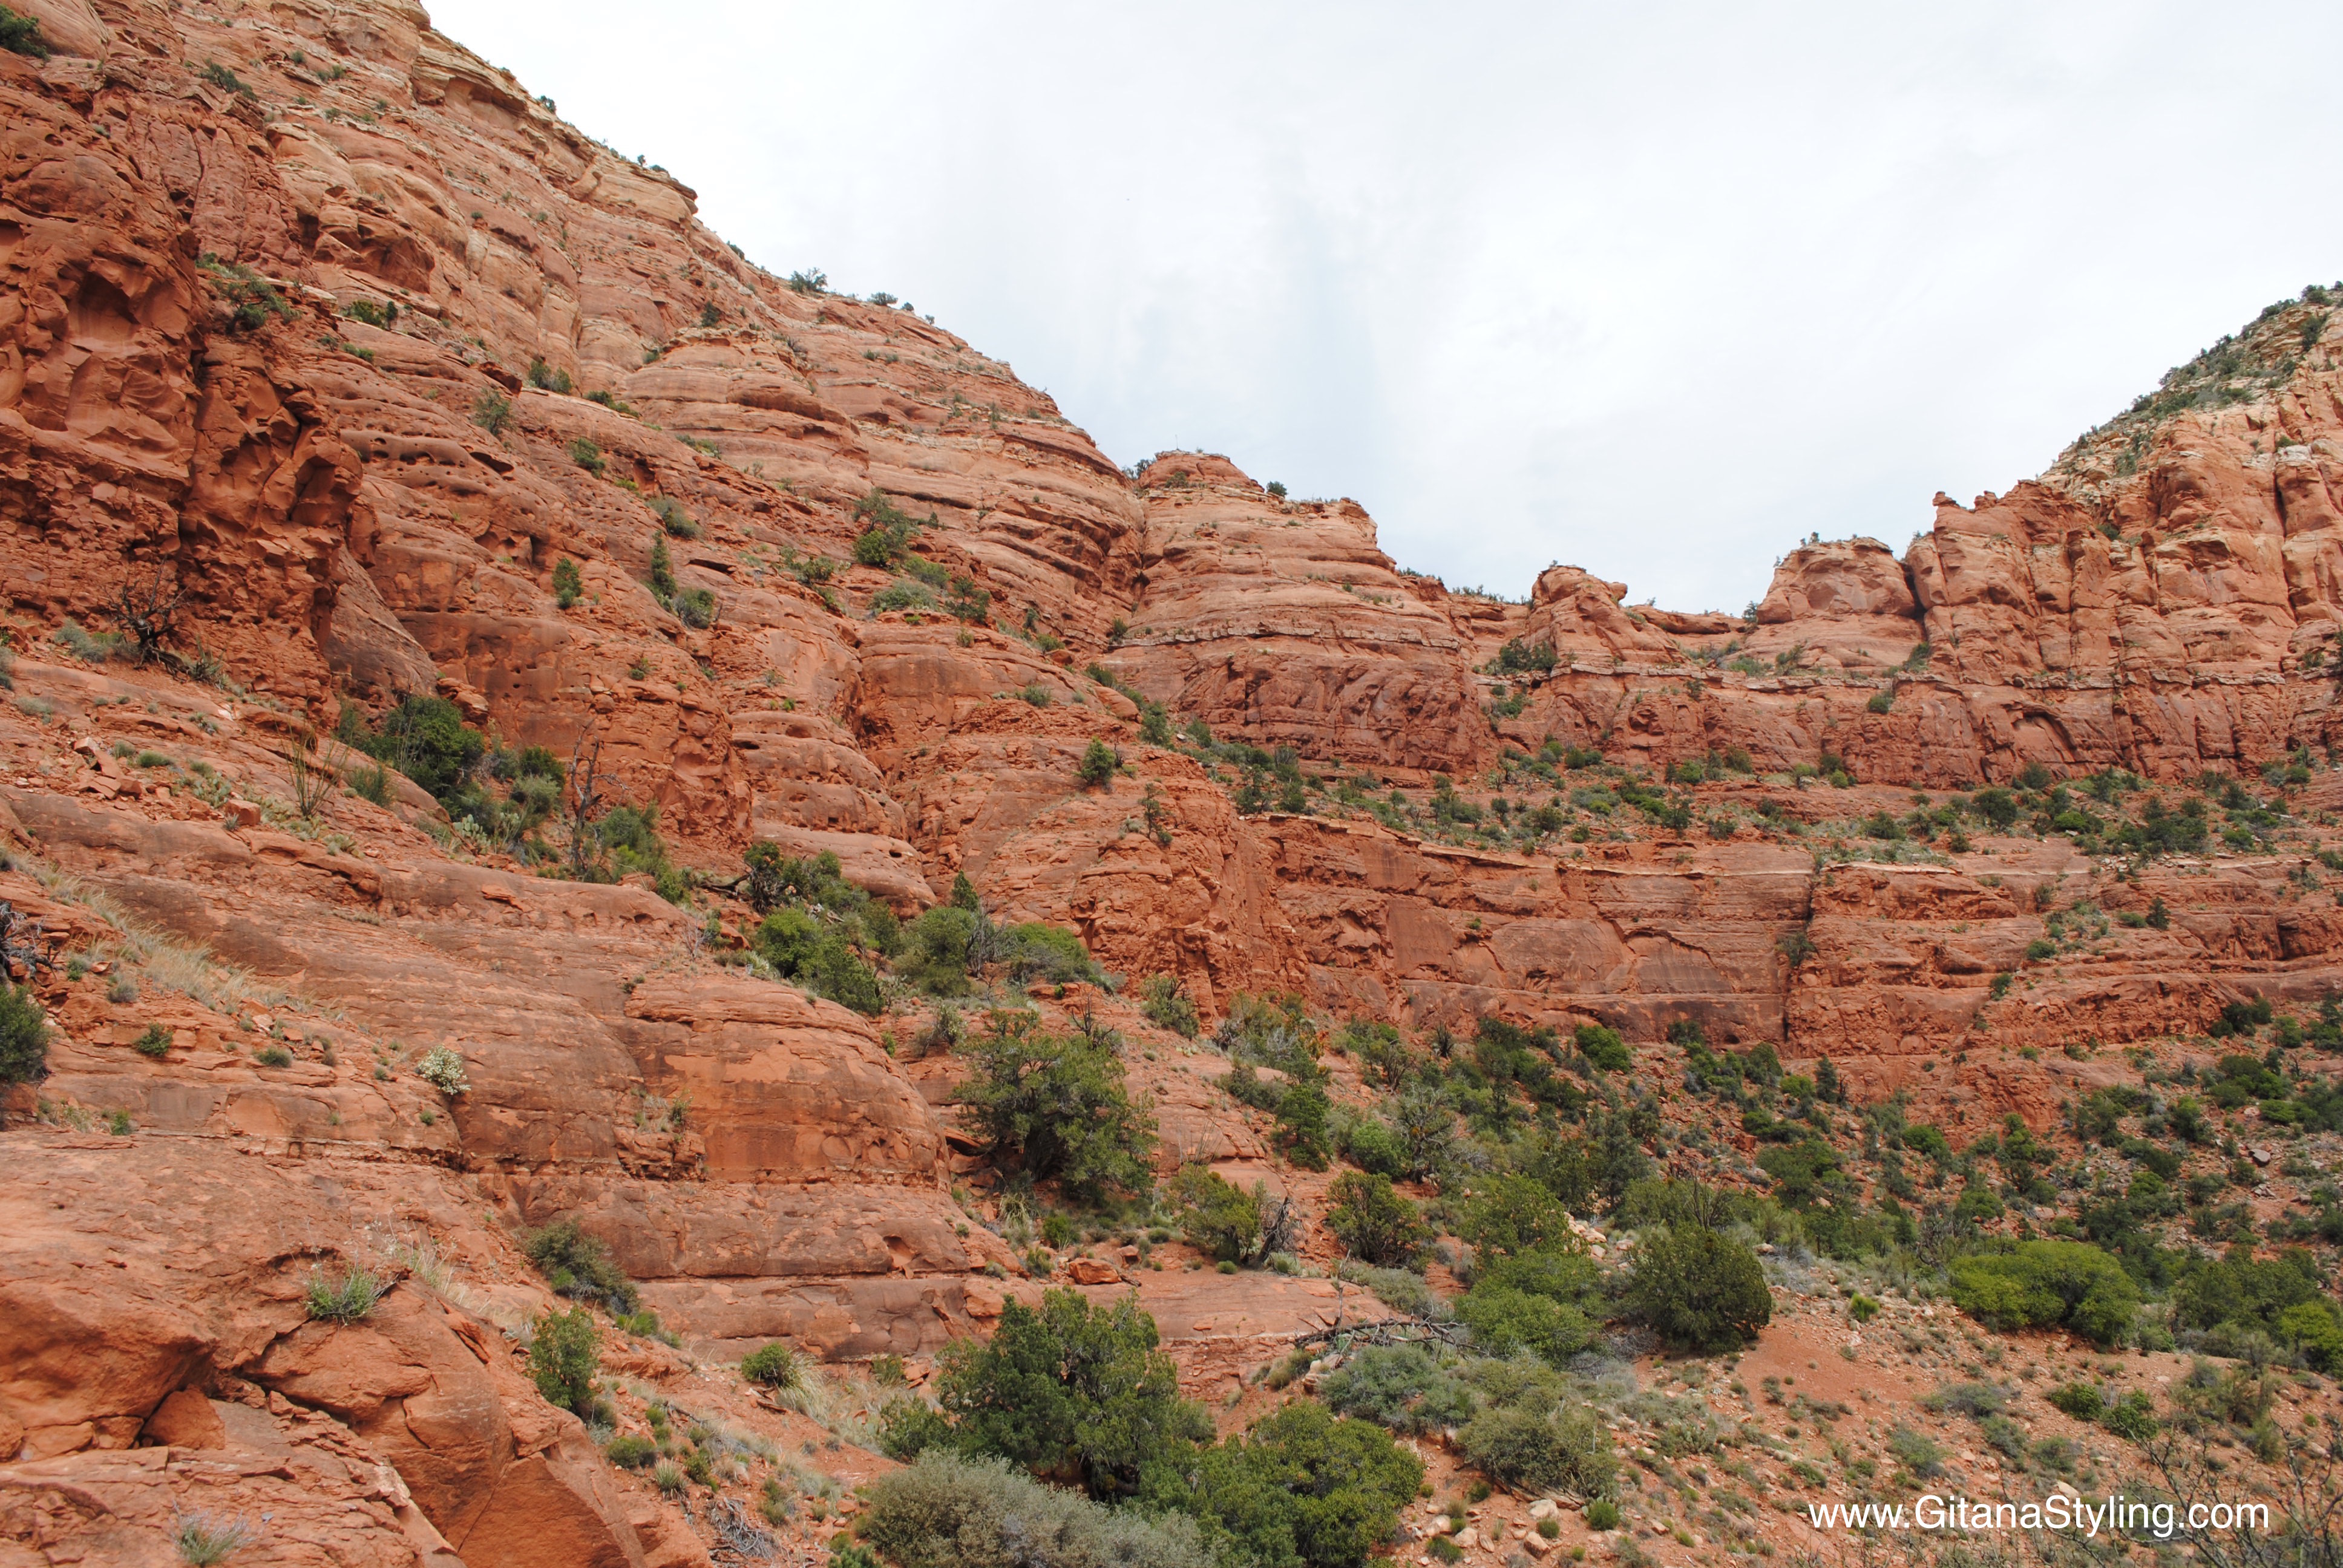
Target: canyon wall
[(328, 336)]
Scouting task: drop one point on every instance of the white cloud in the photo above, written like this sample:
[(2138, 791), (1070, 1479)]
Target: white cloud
[(1654, 289)]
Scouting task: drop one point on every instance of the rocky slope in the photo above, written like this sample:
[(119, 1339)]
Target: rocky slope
[(327, 338)]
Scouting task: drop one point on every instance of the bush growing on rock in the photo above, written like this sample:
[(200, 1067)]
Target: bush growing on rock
[(563, 1356), (579, 1267), (1699, 1290), (1225, 1223), (1096, 770), (425, 738), (443, 1068), (630, 1453), (24, 1036), (1165, 1004), (1055, 1109), (1301, 1489), (948, 1512), (801, 949), (344, 1298), (1071, 1391), (1375, 1224)]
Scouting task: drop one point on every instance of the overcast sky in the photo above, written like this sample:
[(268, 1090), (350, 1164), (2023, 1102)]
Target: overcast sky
[(1654, 289)]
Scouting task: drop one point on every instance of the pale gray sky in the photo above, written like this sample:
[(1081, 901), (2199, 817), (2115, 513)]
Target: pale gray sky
[(1656, 290)]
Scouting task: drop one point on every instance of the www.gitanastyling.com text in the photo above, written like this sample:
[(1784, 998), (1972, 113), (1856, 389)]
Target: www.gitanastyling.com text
[(2115, 1513)]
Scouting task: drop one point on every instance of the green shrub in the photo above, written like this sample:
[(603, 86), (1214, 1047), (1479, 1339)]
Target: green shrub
[(1055, 1107), (1602, 1046), (1513, 1214), (1038, 951), (254, 298), (667, 1476), (1225, 1221), (579, 1267), (563, 1356), (1370, 1144), (948, 1512), (1167, 1005), (696, 608), (1506, 1321), (940, 950), (1071, 1390), (2048, 1284), (2241, 1290), (909, 1426), (1376, 1224), (1398, 1288), (568, 585), (273, 1056), (900, 594), (1401, 1387), (2082, 1401), (22, 35), (1096, 770), (425, 738), (1538, 1452), (343, 1298), (1699, 1290), (1602, 1514), (587, 454), (155, 1042), (674, 521), (630, 1453), (24, 1036), (817, 957), (1916, 1451), (772, 1366), (1301, 1487), (2133, 1417), (492, 411)]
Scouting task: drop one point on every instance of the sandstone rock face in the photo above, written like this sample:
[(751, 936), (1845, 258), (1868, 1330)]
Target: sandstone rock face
[(342, 366)]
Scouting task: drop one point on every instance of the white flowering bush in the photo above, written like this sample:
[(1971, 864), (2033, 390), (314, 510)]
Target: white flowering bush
[(443, 1068)]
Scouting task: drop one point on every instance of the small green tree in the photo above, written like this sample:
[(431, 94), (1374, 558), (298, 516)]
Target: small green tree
[(425, 738), (1302, 1488), (1513, 1214), (1225, 1221), (2046, 1285), (1164, 1004), (772, 1366), (1096, 770), (1075, 1391), (563, 1357), (568, 585), (1601, 1045), (24, 1036), (1375, 1224), (1699, 1290), (1056, 1109), (662, 578)]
